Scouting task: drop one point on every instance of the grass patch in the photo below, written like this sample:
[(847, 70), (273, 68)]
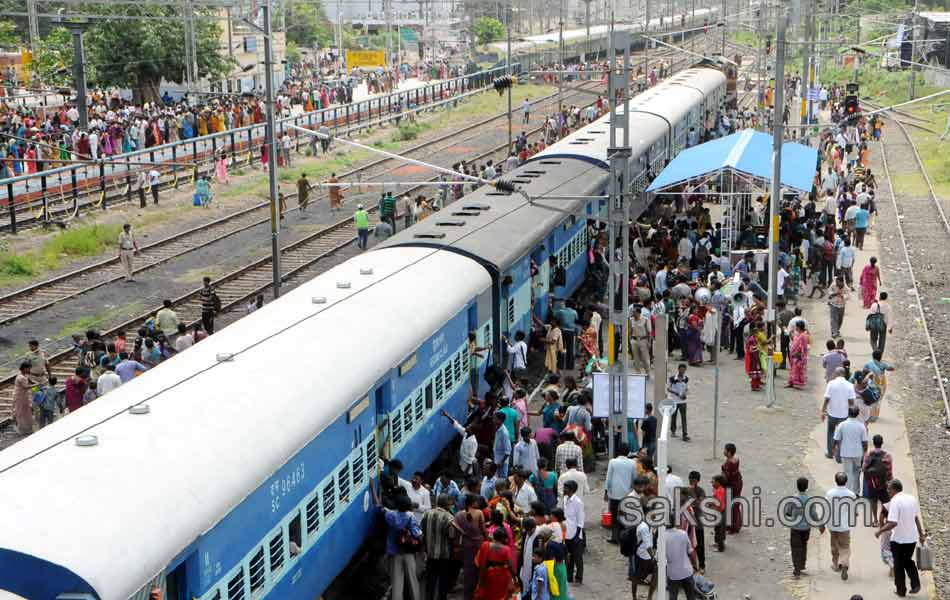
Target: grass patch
[(80, 242), (98, 321), (89, 240)]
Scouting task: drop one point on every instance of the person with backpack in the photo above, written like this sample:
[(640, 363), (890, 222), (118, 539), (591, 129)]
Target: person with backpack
[(403, 541), (879, 322), (878, 470)]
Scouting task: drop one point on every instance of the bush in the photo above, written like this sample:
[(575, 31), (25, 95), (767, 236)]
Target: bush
[(15, 265), (82, 241), (404, 133)]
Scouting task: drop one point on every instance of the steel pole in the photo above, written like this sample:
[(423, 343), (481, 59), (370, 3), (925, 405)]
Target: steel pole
[(270, 133), (79, 75), (508, 69), (913, 55), (776, 195), (715, 437), (560, 78)]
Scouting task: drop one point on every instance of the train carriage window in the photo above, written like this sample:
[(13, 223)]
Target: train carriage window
[(420, 406), (447, 377), (371, 457), (257, 573), (236, 586), (428, 396), (458, 365), (357, 467), (295, 536), (343, 483), (408, 422), (438, 387), (395, 425), (329, 499), (215, 596), (511, 312), (276, 547), (313, 515)]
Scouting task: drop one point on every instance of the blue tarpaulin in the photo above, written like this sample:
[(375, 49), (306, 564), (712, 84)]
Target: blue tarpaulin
[(749, 152)]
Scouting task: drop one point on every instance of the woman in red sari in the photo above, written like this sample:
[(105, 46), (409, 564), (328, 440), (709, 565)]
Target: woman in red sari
[(495, 576), (730, 470), (870, 279)]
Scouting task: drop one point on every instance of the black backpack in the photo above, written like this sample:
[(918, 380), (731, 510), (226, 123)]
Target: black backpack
[(628, 542)]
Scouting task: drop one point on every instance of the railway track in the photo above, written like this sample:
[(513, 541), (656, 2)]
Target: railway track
[(24, 302), (30, 212), (921, 223), (237, 287)]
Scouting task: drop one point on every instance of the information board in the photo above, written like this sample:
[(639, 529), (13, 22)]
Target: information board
[(636, 395), (365, 58)]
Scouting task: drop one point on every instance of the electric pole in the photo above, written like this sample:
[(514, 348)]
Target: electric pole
[(79, 74), (34, 23), (618, 221), (775, 198), (508, 67), (560, 75), (913, 54), (270, 135)]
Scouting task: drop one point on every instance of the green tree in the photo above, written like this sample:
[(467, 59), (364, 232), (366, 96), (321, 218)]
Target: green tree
[(488, 29), (292, 52), (53, 62), (307, 24), (135, 54), (8, 35)]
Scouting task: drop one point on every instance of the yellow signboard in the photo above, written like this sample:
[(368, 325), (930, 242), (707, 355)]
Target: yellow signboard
[(365, 58)]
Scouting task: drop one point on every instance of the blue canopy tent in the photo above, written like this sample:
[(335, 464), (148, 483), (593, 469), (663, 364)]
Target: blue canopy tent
[(748, 152)]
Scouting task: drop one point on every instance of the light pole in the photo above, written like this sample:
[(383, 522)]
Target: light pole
[(79, 73), (560, 75), (776, 193)]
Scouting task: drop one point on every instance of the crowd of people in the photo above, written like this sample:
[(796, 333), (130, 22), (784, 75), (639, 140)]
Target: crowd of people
[(509, 514), (37, 138), (104, 363)]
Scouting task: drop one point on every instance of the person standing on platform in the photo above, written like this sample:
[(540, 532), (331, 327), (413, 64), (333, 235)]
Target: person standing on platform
[(839, 397), (677, 389), (567, 318), (502, 446), (851, 446), (838, 296), (641, 330), (441, 539), (153, 178), (903, 521), (128, 248), (842, 501), (800, 528), (621, 471), (574, 537)]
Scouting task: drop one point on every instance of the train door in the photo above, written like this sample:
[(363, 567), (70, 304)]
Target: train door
[(383, 439), (176, 582)]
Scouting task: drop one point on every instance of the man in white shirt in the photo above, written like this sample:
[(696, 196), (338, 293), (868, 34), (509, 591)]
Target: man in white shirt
[(469, 448), (672, 482), (526, 110), (184, 340), (781, 276), (851, 444), (680, 562), (572, 474), (843, 505), (108, 381), (574, 538), (517, 352), (839, 397), (903, 521), (523, 492), (525, 455), (420, 496), (621, 471), (845, 263)]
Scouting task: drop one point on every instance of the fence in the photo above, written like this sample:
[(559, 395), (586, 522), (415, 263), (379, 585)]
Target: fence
[(64, 185)]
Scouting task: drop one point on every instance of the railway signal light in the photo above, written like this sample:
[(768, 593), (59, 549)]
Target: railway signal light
[(502, 83)]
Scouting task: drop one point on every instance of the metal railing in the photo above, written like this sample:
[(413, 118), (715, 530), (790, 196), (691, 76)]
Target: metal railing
[(65, 184)]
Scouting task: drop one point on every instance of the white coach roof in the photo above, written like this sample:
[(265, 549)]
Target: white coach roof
[(117, 512)]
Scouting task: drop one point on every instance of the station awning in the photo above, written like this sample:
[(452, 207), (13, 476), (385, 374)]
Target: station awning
[(749, 152)]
